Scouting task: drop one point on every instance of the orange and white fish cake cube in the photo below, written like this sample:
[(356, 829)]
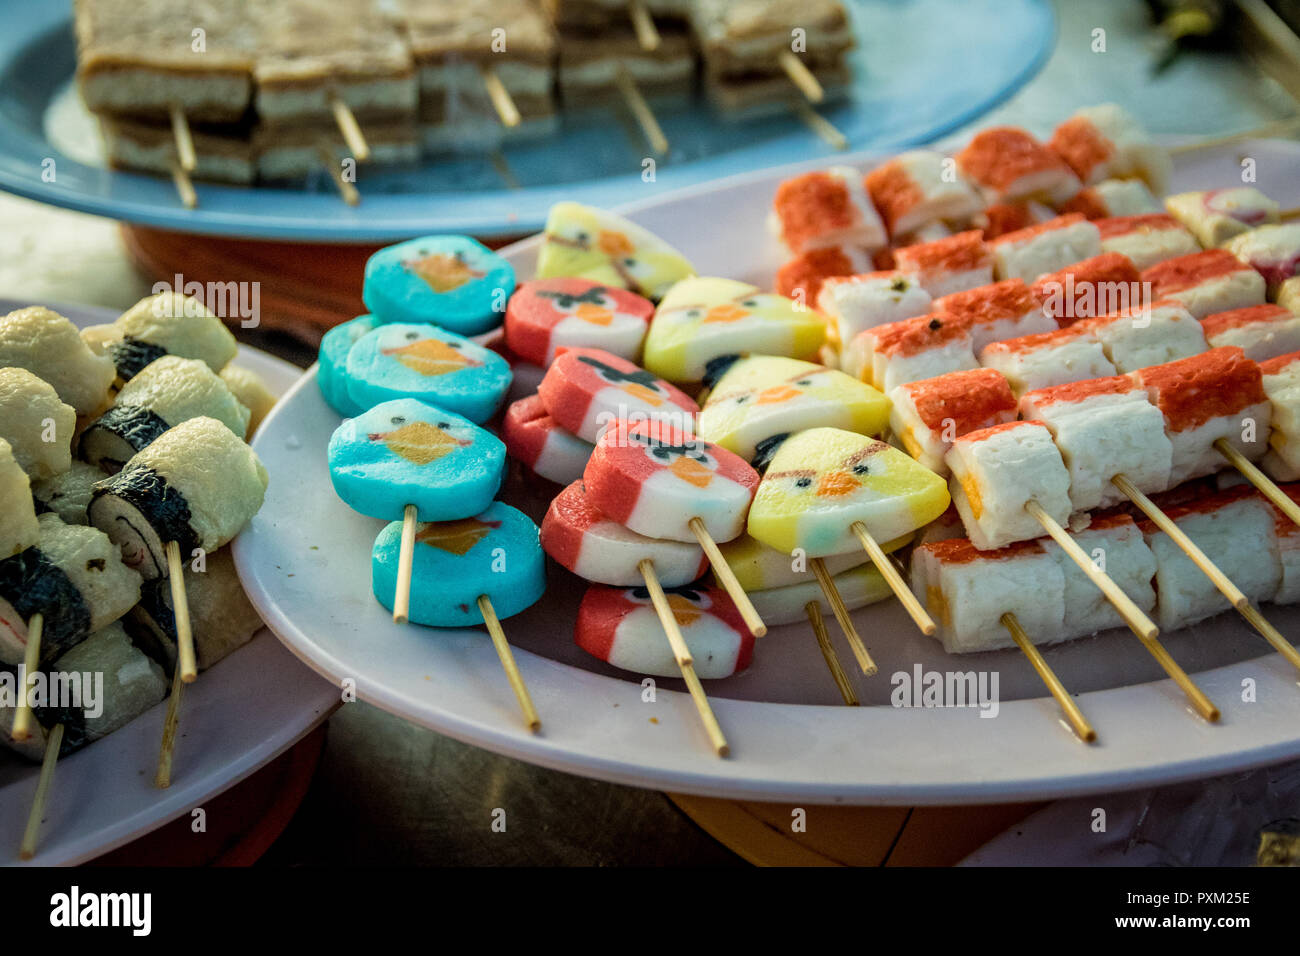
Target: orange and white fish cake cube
[(1218, 394), (1261, 331), (1146, 239), (943, 266), (546, 315), (1206, 282), (1148, 335), (1272, 251), (1105, 141), (928, 416), (1114, 543), (1288, 547), (1281, 381), (1104, 427), (996, 471), (1089, 288), (1045, 359), (916, 189), (1114, 197), (967, 590), (802, 278), (916, 349), (859, 302), (1046, 247), (1000, 310), (1216, 215), (827, 208), (1007, 164)]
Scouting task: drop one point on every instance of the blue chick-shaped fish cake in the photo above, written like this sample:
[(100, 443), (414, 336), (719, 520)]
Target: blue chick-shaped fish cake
[(452, 280)]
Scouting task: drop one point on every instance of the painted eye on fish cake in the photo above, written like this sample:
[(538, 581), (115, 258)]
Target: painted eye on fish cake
[(861, 468), (803, 482), (398, 420), (804, 382), (750, 303), (412, 336)]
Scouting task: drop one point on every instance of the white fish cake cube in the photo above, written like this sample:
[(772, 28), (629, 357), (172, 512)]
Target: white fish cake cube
[(927, 416), (1206, 282), (914, 190), (1146, 239), (1007, 164), (1029, 253), (916, 349), (1288, 549), (948, 265), (1150, 335), (1047, 359), (827, 209), (1117, 548), (1104, 141), (1214, 216), (998, 311), (857, 303), (1126, 197), (1281, 381), (1261, 331)]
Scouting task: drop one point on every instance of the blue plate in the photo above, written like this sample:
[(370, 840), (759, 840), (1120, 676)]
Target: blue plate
[(922, 68)]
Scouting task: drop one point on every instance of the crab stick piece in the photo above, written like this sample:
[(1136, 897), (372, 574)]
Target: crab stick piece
[(1206, 282), (1146, 239), (1032, 252), (1000, 310), (951, 264), (827, 209), (1103, 142), (1148, 335), (913, 190), (1281, 381), (802, 278), (1128, 561), (913, 349), (1261, 331), (855, 303), (1007, 164), (1037, 361), (1004, 217), (1216, 215), (1288, 548), (928, 416), (1097, 286), (1114, 197)]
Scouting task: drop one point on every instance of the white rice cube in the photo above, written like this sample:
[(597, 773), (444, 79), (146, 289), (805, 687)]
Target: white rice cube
[(1029, 253)]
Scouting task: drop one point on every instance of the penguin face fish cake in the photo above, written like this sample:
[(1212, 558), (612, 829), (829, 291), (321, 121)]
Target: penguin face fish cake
[(586, 390), (425, 362), (546, 315), (495, 553), (819, 482), (590, 243), (763, 396), (620, 626), (702, 319), (654, 479), (452, 280), (407, 452)]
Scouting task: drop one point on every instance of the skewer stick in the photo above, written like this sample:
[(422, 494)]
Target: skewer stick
[(184, 140), (346, 189), (893, 578), (821, 126), (405, 559), (814, 612), (683, 656), (1267, 487), (162, 778), (27, 849), (647, 34), (184, 187), (645, 116), (1280, 128), (350, 128), (22, 728), (1133, 615), (181, 613), (493, 624), (501, 99), (727, 578), (833, 598), (1079, 723), (1272, 635), (801, 76)]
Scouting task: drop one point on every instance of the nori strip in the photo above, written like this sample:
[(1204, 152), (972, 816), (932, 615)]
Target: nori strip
[(163, 507), (33, 584), (132, 355), (151, 625), (136, 426)]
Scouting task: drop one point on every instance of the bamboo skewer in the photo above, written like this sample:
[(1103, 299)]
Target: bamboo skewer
[(801, 76), (893, 578), (645, 116), (181, 613), (405, 560), (346, 189), (184, 186), (516, 679), (727, 578), (185, 153), (501, 99), (644, 25), (1078, 723), (1280, 128), (162, 778), (22, 728), (1267, 487), (821, 126), (1133, 616), (814, 612), (53, 744), (682, 654), (350, 128), (841, 612)]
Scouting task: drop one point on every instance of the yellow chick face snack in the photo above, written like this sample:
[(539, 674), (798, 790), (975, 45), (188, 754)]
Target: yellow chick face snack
[(820, 481)]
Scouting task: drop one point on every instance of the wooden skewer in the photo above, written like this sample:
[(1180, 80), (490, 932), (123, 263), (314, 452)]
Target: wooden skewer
[(683, 655), (181, 613), (1280, 128), (501, 99), (1281, 500), (645, 116), (893, 578), (821, 126), (184, 140), (53, 744), (647, 34), (493, 624), (814, 612), (405, 559), (350, 128), (162, 778), (1272, 635), (22, 728), (184, 187), (1286, 215), (801, 76), (1133, 615), (1079, 723), (346, 189), (833, 598), (727, 578)]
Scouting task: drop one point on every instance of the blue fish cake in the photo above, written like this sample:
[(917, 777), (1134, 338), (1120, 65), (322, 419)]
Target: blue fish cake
[(496, 553), (452, 280), (332, 363), (407, 452), (423, 361)]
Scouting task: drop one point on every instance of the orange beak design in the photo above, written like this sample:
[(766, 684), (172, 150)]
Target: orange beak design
[(836, 484), (455, 537), (442, 272), (777, 394), (419, 442), (647, 395), (692, 472), (684, 612), (614, 244), (432, 357), (595, 314), (727, 312)]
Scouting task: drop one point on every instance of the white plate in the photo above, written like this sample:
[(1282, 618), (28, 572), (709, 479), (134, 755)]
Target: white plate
[(238, 716), (306, 562)]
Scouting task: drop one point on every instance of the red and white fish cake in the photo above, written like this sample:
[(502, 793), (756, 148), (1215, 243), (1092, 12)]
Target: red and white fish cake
[(803, 277), (913, 190), (1206, 282), (911, 350), (1281, 380), (587, 390), (546, 315), (1007, 164), (1049, 358), (1084, 290), (1216, 215), (1146, 239), (654, 479), (579, 537), (620, 626), (951, 264), (1114, 197), (859, 302), (1261, 331), (533, 437), (1147, 335), (827, 209), (1000, 310), (1046, 247), (1102, 142), (928, 416)]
